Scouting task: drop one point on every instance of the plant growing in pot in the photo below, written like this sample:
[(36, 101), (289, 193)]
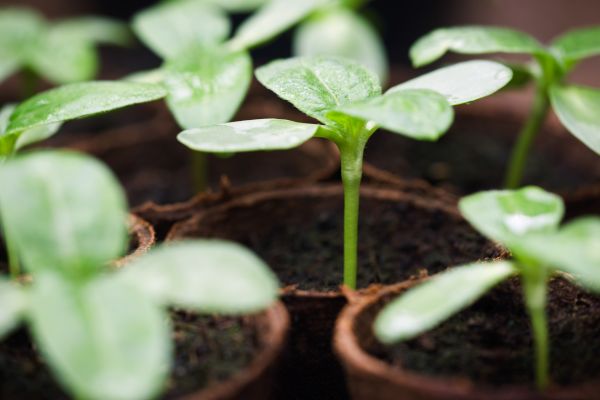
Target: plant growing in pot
[(105, 334), (347, 99), (549, 263), (577, 107), (61, 52)]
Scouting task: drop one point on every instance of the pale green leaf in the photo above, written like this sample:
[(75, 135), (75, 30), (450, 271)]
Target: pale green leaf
[(463, 82), (574, 249), (8, 65), (239, 6), (506, 216), (13, 142), (13, 305), (578, 108), (64, 211), (36, 134), (577, 44), (341, 32), (275, 17), (155, 76), (252, 135), (19, 29), (317, 85), (472, 40), (173, 27), (206, 85), (96, 29), (415, 113), (429, 304), (80, 100), (209, 276), (102, 340)]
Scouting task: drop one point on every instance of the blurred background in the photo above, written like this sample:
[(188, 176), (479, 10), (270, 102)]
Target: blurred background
[(400, 23)]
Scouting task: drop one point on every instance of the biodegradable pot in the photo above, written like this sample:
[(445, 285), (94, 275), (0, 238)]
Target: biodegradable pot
[(473, 155), (372, 377), (298, 232)]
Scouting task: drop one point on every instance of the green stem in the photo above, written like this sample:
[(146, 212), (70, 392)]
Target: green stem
[(541, 104), (29, 81), (199, 171), (535, 290), (352, 159)]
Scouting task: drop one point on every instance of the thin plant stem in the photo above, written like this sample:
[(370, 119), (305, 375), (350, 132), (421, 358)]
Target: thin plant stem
[(199, 171), (535, 290), (518, 157), (14, 265)]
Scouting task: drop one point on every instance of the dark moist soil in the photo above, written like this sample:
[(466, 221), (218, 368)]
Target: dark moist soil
[(474, 153), (207, 350), (491, 343), (301, 239)]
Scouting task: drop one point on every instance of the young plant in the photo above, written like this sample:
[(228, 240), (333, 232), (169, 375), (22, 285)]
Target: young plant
[(577, 107), (346, 98), (41, 116), (105, 334), (527, 222), (61, 52)]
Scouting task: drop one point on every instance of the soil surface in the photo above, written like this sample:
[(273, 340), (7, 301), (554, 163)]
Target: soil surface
[(301, 239), (474, 153), (490, 343), (207, 350)]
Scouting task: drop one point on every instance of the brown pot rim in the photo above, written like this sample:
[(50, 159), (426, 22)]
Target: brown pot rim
[(181, 210), (144, 235), (353, 357), (180, 229), (274, 336)]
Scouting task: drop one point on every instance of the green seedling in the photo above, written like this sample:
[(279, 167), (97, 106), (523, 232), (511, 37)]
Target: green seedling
[(106, 334), (42, 115), (346, 98), (577, 107), (527, 222), (61, 52)]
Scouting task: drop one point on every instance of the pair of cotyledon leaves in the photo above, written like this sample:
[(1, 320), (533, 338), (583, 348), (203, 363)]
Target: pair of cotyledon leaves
[(346, 98), (527, 222), (577, 107), (106, 335), (208, 77), (63, 52)]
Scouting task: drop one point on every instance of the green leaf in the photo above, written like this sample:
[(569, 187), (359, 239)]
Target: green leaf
[(95, 29), (155, 76), (207, 85), (14, 305), (8, 66), (171, 28), (80, 100), (19, 29), (275, 17), (239, 6), (429, 304), (472, 40), (64, 211), (317, 85), (578, 108), (506, 216), (15, 141), (416, 113), (341, 32), (573, 249), (463, 82), (252, 135), (577, 44), (102, 340), (210, 276)]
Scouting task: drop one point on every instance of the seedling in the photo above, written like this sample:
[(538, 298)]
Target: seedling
[(105, 335), (577, 107), (346, 98), (41, 116), (62, 52), (526, 221)]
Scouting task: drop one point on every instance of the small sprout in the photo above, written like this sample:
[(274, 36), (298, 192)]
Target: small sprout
[(105, 335), (346, 98), (526, 221), (62, 52), (577, 107)]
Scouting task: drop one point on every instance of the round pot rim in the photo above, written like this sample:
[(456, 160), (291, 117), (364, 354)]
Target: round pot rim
[(274, 338), (352, 356), (179, 229)]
